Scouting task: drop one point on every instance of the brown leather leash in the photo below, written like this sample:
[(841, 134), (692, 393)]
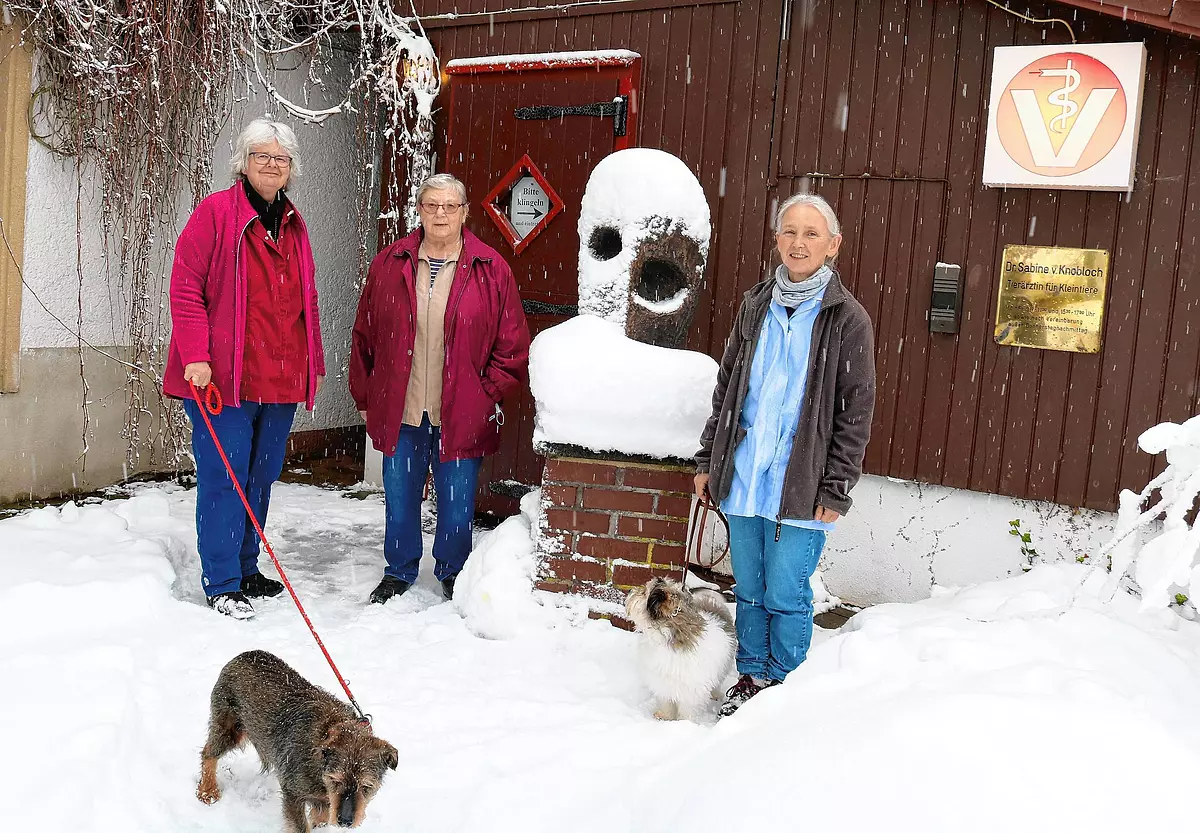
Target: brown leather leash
[(695, 542)]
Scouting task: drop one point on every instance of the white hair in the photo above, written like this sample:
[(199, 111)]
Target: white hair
[(817, 202), (262, 132), (443, 182)]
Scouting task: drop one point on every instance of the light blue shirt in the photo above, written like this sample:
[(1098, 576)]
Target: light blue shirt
[(771, 413)]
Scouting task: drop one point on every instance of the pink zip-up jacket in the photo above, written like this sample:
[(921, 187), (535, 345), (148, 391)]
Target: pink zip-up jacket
[(208, 297)]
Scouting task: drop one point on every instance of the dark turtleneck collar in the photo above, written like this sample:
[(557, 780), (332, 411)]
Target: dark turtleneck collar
[(269, 214)]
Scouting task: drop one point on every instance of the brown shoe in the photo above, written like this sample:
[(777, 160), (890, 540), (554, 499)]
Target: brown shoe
[(742, 690)]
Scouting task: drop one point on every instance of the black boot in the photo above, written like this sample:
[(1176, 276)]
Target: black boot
[(258, 586), (448, 586), (234, 605), (387, 589)]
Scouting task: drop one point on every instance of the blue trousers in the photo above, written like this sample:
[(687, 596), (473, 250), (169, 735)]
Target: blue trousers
[(254, 437), (403, 487), (774, 597)]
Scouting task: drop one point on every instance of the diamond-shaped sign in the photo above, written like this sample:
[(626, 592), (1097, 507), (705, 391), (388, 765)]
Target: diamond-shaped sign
[(522, 204)]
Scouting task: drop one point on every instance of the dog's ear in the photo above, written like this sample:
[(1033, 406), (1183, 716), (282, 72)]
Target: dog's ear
[(388, 754)]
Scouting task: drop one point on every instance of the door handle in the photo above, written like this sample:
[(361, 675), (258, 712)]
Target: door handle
[(543, 308)]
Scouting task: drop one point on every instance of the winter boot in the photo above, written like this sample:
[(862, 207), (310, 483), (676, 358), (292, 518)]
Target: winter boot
[(448, 586), (387, 589), (742, 690), (257, 586), (234, 605)]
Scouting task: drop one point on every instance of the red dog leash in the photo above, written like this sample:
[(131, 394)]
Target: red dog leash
[(213, 404)]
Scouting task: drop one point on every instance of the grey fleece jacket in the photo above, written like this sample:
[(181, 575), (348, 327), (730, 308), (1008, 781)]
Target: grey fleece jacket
[(835, 418)]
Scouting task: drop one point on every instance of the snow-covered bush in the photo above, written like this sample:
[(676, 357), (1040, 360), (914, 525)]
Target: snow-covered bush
[(1163, 557)]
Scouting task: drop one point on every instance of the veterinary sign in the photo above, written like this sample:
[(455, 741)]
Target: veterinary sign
[(528, 204), (1052, 297), (1065, 116)]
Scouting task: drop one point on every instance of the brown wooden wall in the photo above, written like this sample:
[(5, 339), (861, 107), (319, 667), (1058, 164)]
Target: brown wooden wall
[(757, 96)]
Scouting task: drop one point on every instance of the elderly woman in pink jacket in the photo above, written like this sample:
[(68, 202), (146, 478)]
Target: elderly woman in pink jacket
[(244, 318)]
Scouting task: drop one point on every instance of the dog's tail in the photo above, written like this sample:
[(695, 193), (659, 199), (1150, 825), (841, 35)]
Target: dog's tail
[(713, 602)]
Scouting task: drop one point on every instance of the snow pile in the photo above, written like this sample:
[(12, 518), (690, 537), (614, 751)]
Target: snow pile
[(1030, 704), (630, 194), (1165, 564), (1024, 704), (494, 591), (596, 388), (545, 60)]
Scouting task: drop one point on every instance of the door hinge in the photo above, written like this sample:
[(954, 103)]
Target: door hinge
[(617, 110)]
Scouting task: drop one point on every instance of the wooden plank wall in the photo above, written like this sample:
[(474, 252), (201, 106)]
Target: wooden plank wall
[(898, 89)]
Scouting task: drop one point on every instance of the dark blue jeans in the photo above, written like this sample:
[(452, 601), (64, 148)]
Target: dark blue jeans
[(403, 485), (254, 437), (774, 597)]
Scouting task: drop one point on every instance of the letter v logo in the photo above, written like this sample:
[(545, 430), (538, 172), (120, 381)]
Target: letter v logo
[(1078, 137)]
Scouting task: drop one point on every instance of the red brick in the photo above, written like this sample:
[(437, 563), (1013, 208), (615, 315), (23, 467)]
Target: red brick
[(613, 619), (567, 496), (652, 528), (613, 548), (674, 506), (667, 555), (572, 520), (579, 471), (664, 480), (632, 575), (576, 570), (618, 499), (554, 586)]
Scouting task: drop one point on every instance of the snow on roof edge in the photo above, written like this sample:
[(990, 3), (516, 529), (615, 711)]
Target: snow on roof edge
[(546, 59)]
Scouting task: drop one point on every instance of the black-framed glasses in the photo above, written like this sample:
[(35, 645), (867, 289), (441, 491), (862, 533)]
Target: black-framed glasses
[(264, 158)]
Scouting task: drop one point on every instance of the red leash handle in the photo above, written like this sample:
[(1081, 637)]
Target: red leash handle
[(213, 404)]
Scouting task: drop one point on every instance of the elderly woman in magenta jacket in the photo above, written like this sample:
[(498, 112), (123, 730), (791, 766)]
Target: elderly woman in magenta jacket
[(244, 318), (439, 341)]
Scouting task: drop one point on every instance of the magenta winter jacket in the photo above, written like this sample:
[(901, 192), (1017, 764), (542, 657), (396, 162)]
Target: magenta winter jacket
[(208, 297), (487, 346)]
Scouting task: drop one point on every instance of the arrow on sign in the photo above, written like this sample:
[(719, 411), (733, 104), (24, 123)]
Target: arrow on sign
[(534, 213)]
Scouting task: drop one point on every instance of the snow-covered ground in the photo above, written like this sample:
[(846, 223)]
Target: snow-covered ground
[(1025, 704)]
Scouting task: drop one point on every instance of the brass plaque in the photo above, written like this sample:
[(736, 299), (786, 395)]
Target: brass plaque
[(1052, 297)]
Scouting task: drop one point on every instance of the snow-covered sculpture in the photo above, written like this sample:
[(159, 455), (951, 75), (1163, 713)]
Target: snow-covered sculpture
[(643, 232)]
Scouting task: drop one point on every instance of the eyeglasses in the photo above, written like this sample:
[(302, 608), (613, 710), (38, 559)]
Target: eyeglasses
[(264, 158), (435, 207)]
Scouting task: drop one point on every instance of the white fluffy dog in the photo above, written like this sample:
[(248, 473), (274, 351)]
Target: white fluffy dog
[(687, 645)]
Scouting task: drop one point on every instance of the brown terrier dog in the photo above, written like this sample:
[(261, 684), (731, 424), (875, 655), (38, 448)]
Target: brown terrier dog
[(326, 760)]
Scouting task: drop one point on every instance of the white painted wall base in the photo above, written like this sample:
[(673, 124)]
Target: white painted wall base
[(373, 466), (901, 538)]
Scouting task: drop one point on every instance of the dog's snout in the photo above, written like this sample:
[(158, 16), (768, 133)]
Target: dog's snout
[(655, 600), (345, 814)]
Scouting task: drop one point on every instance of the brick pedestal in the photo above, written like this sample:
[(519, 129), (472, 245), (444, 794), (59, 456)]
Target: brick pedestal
[(611, 524)]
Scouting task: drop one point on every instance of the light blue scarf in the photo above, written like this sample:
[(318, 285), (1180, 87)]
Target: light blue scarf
[(790, 294)]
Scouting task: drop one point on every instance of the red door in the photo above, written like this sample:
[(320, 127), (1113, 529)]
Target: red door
[(558, 114)]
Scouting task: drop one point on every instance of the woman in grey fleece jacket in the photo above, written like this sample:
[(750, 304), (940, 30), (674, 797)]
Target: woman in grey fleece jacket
[(784, 445)]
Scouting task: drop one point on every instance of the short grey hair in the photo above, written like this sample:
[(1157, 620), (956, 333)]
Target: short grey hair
[(443, 182), (817, 202), (262, 132)]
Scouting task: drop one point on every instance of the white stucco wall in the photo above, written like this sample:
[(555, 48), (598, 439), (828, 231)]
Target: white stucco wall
[(901, 538)]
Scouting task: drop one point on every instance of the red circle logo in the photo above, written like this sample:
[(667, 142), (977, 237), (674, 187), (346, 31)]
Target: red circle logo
[(1061, 114)]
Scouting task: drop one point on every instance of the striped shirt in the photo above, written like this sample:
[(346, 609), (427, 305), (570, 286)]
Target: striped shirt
[(435, 266)]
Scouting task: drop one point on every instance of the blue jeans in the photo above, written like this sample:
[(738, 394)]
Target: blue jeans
[(254, 437), (774, 597), (403, 486)]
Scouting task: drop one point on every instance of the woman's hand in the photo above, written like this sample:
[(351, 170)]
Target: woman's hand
[(320, 379), (824, 515), (198, 372), (363, 414), (701, 486)]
